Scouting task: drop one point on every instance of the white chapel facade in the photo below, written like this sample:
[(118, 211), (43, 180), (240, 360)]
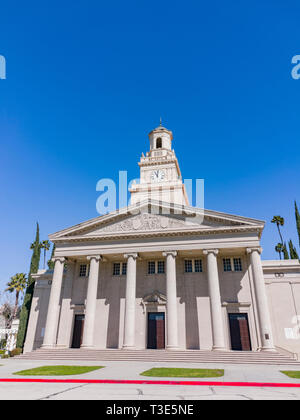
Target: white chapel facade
[(150, 276)]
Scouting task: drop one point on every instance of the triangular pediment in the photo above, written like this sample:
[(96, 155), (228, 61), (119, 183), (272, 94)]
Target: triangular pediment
[(156, 218), (155, 297)]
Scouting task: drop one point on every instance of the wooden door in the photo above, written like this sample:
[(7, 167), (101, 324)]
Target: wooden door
[(160, 331), (239, 332), (151, 331), (156, 330), (78, 331)]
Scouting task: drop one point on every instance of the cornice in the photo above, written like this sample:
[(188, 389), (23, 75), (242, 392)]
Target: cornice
[(136, 209), (150, 234), (159, 161)]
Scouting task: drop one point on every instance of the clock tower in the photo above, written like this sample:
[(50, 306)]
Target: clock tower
[(160, 176)]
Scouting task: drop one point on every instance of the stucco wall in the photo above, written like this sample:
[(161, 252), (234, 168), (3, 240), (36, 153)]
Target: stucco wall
[(283, 289)]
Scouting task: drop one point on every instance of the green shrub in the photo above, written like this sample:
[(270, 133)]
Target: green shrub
[(2, 352), (2, 343), (5, 356), (15, 352)]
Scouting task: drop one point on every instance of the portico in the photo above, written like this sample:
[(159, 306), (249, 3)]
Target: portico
[(137, 282)]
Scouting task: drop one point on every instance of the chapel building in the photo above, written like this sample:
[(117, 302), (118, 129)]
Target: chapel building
[(161, 274)]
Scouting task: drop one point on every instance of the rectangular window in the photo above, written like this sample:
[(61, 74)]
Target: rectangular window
[(237, 263), (151, 267), (120, 269), (198, 266), (82, 270), (160, 267), (117, 269), (227, 264), (188, 266), (124, 268)]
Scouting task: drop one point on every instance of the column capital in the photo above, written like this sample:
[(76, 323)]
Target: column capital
[(61, 259), (96, 257), (173, 253), (257, 249), (134, 255), (211, 251)]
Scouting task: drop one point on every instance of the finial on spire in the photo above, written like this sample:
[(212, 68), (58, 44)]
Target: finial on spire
[(160, 122)]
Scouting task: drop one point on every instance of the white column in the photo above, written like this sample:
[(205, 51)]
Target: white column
[(53, 307), (129, 323), (91, 301), (215, 299), (172, 318), (261, 300), (66, 316)]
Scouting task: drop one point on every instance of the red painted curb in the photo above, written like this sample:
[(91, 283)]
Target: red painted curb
[(154, 382)]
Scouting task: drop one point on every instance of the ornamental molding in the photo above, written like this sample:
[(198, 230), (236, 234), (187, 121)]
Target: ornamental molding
[(95, 257), (155, 298), (257, 249), (154, 218), (211, 251), (142, 222), (150, 234), (159, 160), (172, 253), (236, 304), (133, 255), (60, 259)]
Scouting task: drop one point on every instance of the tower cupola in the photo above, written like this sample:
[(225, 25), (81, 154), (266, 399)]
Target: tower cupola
[(161, 138), (160, 177)]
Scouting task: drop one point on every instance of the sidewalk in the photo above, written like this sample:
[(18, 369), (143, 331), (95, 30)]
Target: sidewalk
[(131, 371)]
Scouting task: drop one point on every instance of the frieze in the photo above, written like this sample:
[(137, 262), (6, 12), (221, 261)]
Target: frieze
[(143, 222)]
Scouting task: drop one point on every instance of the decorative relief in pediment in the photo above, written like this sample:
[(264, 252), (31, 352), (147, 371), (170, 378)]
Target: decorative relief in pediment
[(141, 222), (154, 299)]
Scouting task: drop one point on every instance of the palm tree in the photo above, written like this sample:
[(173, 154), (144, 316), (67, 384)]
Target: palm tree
[(279, 222), (45, 245), (279, 248), (17, 284)]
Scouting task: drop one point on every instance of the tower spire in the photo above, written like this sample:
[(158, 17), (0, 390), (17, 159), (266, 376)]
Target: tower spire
[(160, 122)]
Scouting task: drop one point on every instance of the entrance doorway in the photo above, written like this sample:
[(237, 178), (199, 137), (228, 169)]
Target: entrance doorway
[(239, 332), (156, 330), (78, 331)]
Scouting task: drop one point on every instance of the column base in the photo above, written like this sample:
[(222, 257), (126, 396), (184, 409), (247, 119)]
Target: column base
[(215, 348), (267, 349), (48, 346), (87, 346), (172, 348), (128, 347)]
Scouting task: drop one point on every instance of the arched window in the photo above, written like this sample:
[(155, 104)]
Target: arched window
[(158, 143)]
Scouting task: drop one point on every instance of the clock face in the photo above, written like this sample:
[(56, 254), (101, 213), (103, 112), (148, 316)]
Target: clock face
[(157, 175)]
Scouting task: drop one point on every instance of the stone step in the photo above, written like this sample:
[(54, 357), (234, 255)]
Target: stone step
[(191, 356), (204, 361), (136, 357)]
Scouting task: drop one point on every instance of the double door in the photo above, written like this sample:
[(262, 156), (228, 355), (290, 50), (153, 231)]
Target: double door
[(156, 330), (239, 332)]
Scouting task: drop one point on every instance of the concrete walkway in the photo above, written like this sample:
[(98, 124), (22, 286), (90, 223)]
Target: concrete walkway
[(132, 370)]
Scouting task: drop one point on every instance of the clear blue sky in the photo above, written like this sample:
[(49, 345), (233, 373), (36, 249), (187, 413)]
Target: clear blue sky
[(87, 80)]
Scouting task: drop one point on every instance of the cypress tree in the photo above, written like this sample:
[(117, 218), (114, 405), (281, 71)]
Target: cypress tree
[(50, 262), (25, 311), (285, 252), (297, 215), (293, 251)]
